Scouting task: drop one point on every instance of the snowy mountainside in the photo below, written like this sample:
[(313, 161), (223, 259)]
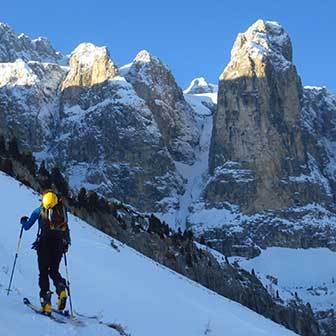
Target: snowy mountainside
[(30, 101), (131, 128), (241, 181), (306, 275), (319, 120), (120, 286), (103, 160), (13, 47), (91, 122), (64, 115)]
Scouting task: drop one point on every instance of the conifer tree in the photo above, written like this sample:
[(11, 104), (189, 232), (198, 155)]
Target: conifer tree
[(82, 197), (92, 200), (13, 148), (7, 167), (189, 260), (59, 181), (43, 170), (29, 162), (44, 177), (2, 144)]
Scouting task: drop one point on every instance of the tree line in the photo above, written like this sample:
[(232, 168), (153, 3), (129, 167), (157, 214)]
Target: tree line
[(51, 177)]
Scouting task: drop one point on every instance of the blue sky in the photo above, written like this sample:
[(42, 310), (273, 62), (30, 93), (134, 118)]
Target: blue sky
[(193, 37)]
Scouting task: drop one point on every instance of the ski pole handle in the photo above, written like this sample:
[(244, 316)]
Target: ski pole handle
[(19, 243), (16, 256)]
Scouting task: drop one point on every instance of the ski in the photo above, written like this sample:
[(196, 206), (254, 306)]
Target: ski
[(64, 313), (71, 319), (90, 317), (38, 311)]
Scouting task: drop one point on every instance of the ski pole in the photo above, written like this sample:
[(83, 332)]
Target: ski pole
[(68, 283), (16, 256)]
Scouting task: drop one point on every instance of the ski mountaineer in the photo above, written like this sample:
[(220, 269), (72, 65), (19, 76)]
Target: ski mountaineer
[(53, 239)]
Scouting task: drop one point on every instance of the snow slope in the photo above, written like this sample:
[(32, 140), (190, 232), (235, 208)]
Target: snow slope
[(123, 287), (309, 272)]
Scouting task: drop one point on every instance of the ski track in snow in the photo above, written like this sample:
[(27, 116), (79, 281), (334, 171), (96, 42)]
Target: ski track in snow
[(123, 287)]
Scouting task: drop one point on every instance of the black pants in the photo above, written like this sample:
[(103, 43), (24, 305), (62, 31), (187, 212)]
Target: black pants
[(49, 256)]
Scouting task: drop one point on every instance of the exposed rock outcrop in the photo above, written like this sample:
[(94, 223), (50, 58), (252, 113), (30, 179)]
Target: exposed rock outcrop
[(108, 136), (154, 82), (272, 161), (257, 121), (89, 65)]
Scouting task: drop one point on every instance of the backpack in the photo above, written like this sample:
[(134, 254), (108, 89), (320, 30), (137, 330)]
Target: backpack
[(57, 218)]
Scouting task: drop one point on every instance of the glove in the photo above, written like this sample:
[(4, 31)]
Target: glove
[(35, 245), (23, 220), (66, 245)]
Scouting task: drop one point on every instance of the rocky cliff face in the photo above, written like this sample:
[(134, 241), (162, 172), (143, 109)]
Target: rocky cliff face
[(257, 124), (89, 65), (108, 136), (271, 163), (154, 83)]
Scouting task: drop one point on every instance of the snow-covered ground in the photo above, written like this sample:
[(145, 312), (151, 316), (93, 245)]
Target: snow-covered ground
[(309, 272), (120, 286)]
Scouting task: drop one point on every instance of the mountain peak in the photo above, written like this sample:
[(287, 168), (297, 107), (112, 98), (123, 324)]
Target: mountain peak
[(200, 85), (264, 41), (154, 82), (144, 66), (145, 56), (89, 65), (272, 37), (87, 54), (4, 27), (13, 47)]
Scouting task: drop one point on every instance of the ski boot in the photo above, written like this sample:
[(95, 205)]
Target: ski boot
[(46, 303), (62, 298)]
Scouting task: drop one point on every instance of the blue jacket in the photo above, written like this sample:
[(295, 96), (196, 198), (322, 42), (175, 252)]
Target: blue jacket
[(36, 215), (33, 218)]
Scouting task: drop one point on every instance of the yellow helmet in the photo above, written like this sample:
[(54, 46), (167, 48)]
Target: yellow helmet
[(49, 200)]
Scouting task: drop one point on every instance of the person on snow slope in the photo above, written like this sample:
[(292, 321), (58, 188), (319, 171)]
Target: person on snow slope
[(53, 240)]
